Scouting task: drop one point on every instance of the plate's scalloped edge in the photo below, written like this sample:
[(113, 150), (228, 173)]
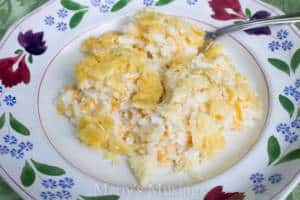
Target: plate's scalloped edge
[(16, 24), (276, 10), (288, 188), (11, 182)]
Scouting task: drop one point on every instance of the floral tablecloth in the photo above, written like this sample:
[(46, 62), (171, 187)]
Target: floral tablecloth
[(12, 10)]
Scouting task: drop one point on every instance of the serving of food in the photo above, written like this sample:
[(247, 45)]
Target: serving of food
[(151, 94)]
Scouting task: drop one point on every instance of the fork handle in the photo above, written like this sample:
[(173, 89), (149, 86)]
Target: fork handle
[(282, 19)]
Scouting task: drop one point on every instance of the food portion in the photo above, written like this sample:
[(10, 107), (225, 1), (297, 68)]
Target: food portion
[(149, 93)]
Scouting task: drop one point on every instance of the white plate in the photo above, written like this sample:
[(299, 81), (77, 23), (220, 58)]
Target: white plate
[(42, 159)]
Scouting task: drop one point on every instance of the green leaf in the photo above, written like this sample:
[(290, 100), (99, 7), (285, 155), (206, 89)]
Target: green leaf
[(119, 5), (292, 155), (76, 18), (298, 113), (48, 169), (19, 51), (2, 120), (72, 5), (248, 13), (273, 149), (287, 104), (163, 2), (30, 59), (107, 197), (18, 126), (279, 64), (295, 62), (27, 175)]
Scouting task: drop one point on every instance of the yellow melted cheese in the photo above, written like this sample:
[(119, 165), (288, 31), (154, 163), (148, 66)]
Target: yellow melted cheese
[(146, 93)]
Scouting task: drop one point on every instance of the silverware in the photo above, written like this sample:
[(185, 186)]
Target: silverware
[(282, 19)]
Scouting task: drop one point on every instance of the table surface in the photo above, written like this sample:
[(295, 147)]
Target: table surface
[(18, 8)]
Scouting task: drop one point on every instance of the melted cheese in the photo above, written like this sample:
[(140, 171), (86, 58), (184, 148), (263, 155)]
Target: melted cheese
[(147, 94)]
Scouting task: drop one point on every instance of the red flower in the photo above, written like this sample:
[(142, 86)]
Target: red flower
[(226, 9), (10, 76), (217, 194)]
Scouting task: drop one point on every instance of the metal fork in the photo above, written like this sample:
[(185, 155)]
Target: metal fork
[(282, 19)]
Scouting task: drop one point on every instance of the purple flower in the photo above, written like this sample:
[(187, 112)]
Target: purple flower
[(289, 90), (4, 150), (61, 26), (257, 177), (63, 194), (287, 45), (48, 195), (6, 138), (282, 34), (33, 42), (10, 139), (292, 91), (274, 45), (297, 96), (29, 146), (44, 195), (191, 2), (19, 154), (16, 153), (13, 152), (13, 140), (286, 90), (259, 189), (22, 145), (25, 146), (262, 30), (1, 89), (49, 20), (275, 178), (290, 137), (148, 2), (283, 128), (261, 14), (104, 8), (66, 194), (96, 2), (297, 83), (49, 183), (62, 13), (66, 183), (10, 100), (59, 195), (51, 195)]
